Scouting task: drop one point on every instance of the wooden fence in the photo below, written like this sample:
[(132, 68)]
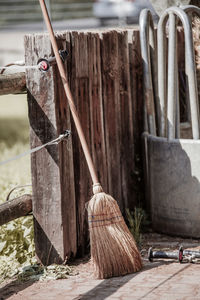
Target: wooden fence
[(105, 75)]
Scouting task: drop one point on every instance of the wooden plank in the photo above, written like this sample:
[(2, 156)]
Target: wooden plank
[(66, 159), (52, 193), (96, 109), (12, 83), (111, 103), (126, 127), (136, 85), (135, 60), (15, 208), (80, 90)]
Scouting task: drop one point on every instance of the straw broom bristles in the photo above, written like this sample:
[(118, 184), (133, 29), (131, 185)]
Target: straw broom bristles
[(113, 248)]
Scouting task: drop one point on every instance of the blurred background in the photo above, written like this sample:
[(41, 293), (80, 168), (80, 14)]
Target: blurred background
[(20, 17)]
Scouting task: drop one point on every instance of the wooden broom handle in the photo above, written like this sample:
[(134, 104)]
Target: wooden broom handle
[(69, 94)]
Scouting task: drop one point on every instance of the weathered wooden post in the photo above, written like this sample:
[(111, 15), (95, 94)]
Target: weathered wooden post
[(105, 79), (52, 168)]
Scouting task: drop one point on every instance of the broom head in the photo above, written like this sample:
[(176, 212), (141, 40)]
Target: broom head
[(113, 248)]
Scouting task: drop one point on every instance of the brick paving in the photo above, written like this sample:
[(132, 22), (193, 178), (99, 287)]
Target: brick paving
[(165, 280), (159, 280)]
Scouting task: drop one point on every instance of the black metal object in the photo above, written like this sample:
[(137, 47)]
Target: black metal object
[(44, 64), (178, 255), (67, 133)]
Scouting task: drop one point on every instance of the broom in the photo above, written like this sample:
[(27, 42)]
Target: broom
[(113, 248)]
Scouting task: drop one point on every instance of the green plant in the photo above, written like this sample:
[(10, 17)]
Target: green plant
[(17, 247), (137, 220)]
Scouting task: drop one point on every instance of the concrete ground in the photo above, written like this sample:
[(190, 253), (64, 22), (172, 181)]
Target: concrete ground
[(160, 279)]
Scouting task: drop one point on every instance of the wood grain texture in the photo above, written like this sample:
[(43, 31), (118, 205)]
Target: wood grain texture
[(97, 109), (53, 191), (12, 83), (79, 74), (126, 126), (15, 208), (111, 103), (104, 71), (136, 84), (66, 164)]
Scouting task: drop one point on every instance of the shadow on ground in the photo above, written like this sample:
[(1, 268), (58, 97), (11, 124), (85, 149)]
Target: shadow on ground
[(14, 287), (108, 287)]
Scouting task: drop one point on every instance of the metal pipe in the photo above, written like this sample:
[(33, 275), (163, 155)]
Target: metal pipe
[(172, 74), (162, 90), (179, 255), (177, 114), (190, 68), (165, 254), (190, 9)]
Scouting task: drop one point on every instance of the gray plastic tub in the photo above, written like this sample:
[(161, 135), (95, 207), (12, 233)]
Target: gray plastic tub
[(173, 185)]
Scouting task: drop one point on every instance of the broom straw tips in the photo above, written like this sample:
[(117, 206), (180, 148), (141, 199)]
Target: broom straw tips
[(113, 248)]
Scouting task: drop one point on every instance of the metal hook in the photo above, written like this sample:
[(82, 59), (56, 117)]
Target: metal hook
[(44, 64)]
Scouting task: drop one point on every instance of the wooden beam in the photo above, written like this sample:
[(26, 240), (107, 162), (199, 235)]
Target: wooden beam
[(12, 83), (15, 208), (52, 170)]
